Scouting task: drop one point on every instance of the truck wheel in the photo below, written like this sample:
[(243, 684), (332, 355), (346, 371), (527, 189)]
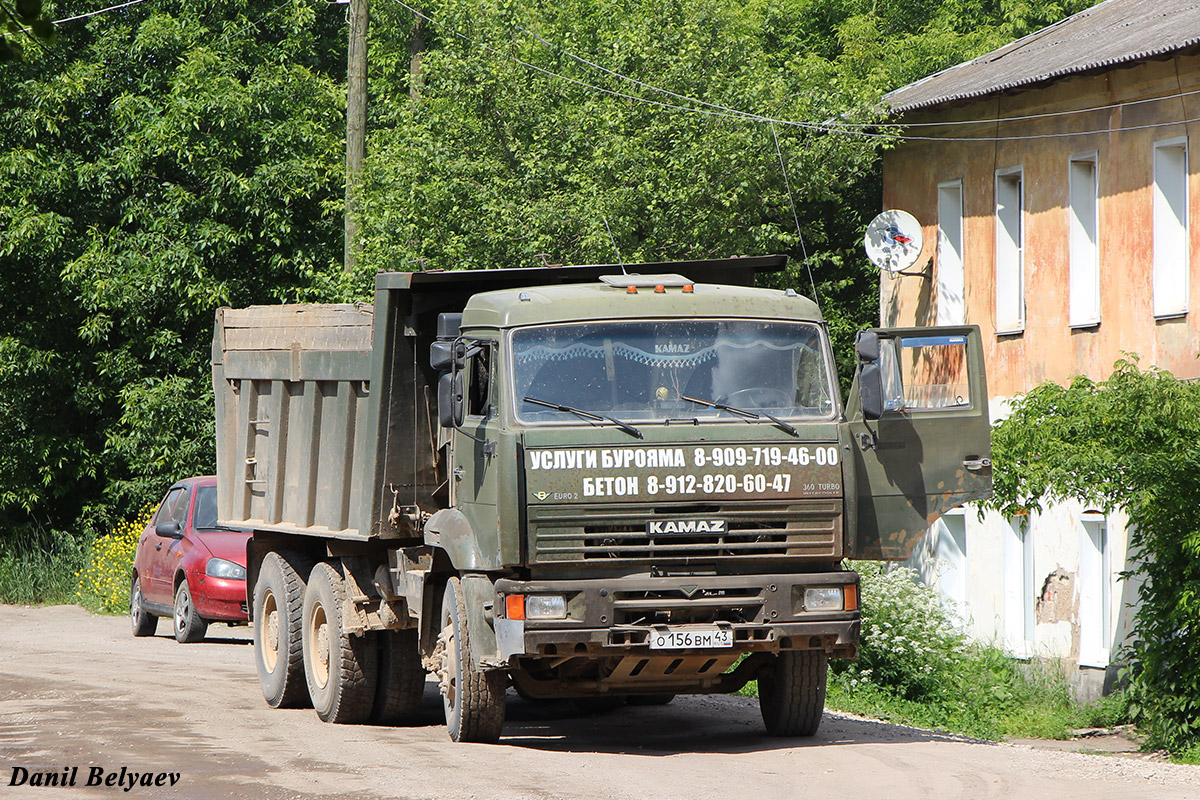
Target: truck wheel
[(278, 611), (791, 696), (142, 621), (401, 678), (339, 666), (473, 698), (189, 625)]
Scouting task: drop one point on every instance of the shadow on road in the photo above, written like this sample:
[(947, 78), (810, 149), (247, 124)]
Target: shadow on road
[(689, 724)]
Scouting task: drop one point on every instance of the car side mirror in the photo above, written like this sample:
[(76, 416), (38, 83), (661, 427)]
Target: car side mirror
[(451, 400), (169, 530)]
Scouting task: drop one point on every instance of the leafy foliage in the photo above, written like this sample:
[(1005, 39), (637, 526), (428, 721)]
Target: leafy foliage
[(163, 159), (916, 668), (160, 161), (1127, 442), (105, 578), (24, 21)]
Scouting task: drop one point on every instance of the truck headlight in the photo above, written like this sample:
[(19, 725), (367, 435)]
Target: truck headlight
[(536, 606), (823, 598), (220, 568)]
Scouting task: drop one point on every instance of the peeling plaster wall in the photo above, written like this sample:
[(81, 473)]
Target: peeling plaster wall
[(1054, 592), (1048, 348)]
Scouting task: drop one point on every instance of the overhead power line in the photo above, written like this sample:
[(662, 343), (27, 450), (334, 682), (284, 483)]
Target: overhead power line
[(862, 130)]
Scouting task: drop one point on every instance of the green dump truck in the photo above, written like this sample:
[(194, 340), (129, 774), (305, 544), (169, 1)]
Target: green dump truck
[(602, 483)]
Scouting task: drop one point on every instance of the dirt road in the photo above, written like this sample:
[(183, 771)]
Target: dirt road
[(76, 690)]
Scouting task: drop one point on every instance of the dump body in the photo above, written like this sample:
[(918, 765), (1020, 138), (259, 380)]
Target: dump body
[(580, 481)]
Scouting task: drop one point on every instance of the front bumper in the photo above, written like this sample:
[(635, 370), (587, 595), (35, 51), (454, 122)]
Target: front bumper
[(221, 599), (616, 617)]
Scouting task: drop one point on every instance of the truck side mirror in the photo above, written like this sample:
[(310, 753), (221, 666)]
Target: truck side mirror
[(870, 391), (451, 399), (866, 345), (870, 381), (441, 355)]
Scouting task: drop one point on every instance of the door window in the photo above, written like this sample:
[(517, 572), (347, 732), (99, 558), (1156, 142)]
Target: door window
[(925, 373), (173, 507)]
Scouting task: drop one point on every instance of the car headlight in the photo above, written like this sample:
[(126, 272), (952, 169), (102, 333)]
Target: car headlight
[(220, 568)]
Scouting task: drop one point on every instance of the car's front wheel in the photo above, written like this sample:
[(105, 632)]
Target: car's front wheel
[(189, 625), (142, 621)]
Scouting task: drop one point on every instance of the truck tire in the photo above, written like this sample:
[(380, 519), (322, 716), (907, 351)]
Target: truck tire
[(189, 625), (278, 611), (401, 680), (791, 696), (142, 621), (473, 698), (340, 667)]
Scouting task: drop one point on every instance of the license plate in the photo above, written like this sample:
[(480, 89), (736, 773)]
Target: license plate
[(688, 638)]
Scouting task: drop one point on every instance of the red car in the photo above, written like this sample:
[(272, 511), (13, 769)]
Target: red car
[(188, 567)]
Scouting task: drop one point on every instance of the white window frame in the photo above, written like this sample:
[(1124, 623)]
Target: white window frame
[(1019, 591), (1083, 212), (1172, 258), (1010, 251), (1095, 591), (949, 551), (951, 280)]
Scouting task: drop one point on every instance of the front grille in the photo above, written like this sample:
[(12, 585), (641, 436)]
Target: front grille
[(678, 606), (808, 529)]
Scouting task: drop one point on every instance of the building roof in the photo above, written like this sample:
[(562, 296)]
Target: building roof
[(1111, 34)]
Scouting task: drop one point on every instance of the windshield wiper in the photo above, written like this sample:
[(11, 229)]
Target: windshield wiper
[(783, 426), (625, 426), (218, 527)]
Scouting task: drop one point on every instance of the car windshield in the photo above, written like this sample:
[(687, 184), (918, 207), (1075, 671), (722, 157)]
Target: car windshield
[(645, 370), (206, 508)]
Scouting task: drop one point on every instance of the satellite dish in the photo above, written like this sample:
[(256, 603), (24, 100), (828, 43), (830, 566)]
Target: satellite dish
[(894, 240)]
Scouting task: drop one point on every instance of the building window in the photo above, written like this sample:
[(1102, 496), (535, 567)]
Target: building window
[(1170, 228), (1010, 251), (1095, 591), (951, 304), (1019, 591), (950, 555), (1084, 247)]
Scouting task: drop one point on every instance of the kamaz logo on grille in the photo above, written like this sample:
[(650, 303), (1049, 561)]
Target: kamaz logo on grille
[(657, 526)]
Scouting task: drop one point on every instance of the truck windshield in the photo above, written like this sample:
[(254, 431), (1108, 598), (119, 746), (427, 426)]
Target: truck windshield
[(642, 371)]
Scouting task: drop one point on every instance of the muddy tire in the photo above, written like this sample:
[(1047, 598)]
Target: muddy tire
[(189, 625), (401, 680), (340, 668), (142, 621), (791, 696), (278, 612), (473, 698)]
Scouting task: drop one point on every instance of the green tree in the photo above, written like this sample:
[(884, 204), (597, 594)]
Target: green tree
[(1128, 442), (159, 161), (24, 21)]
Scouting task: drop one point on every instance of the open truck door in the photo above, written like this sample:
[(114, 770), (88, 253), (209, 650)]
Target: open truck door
[(917, 423)]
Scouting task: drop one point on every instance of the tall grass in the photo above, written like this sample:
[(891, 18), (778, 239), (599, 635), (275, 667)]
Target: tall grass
[(40, 568)]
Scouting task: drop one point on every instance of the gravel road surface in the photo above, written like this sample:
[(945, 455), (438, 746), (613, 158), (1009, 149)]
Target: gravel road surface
[(78, 691)]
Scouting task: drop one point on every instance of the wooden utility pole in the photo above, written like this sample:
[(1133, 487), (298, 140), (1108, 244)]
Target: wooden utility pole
[(356, 122)]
